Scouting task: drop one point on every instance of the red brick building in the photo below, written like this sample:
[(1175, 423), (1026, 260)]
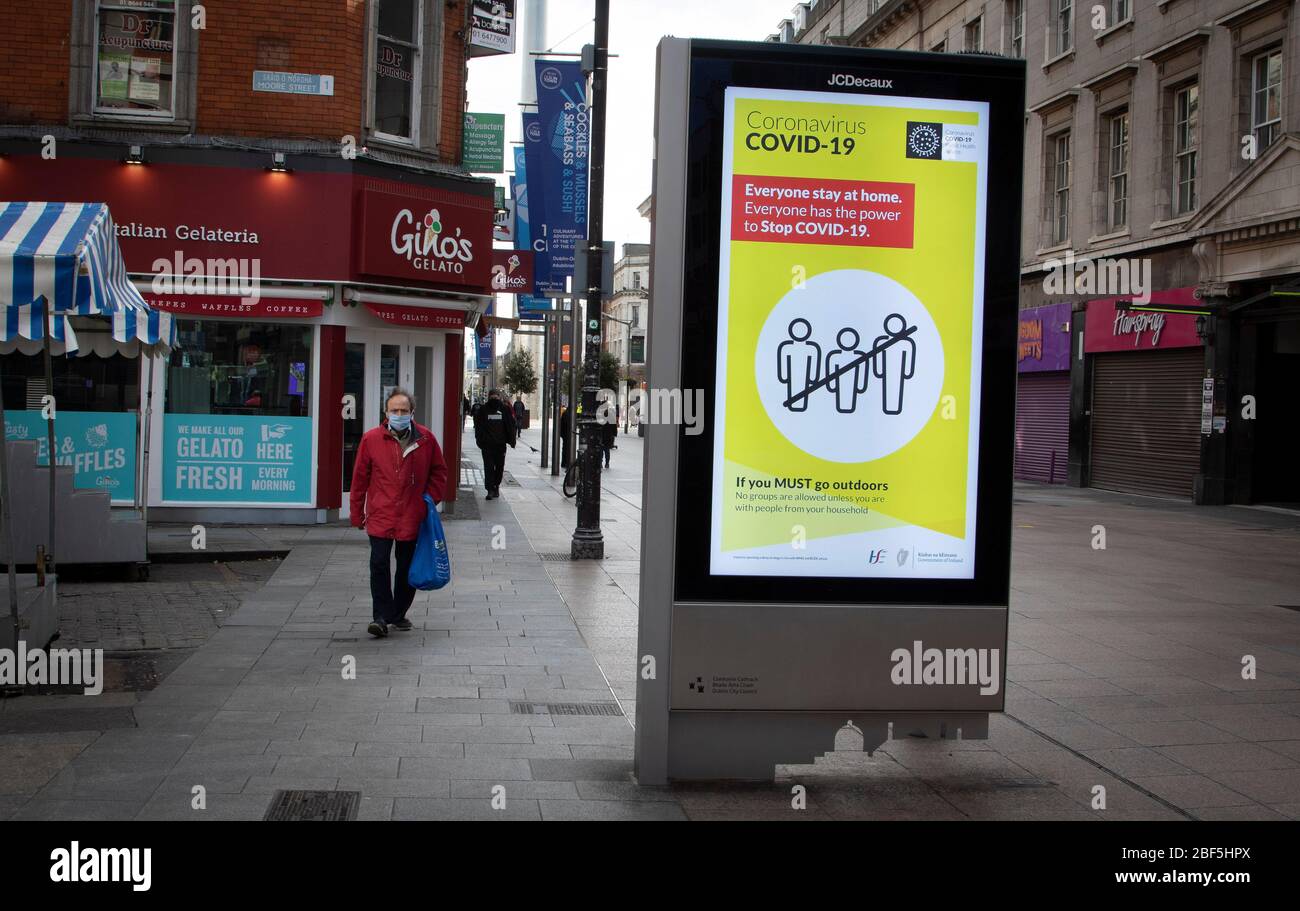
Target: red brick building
[(286, 178)]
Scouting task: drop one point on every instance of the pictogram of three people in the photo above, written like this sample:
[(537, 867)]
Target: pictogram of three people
[(847, 370)]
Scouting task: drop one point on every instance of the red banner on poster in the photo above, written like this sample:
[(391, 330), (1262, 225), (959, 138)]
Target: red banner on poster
[(418, 317), (803, 210)]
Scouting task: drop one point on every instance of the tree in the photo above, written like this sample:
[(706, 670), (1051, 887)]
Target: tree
[(609, 370), (517, 373)]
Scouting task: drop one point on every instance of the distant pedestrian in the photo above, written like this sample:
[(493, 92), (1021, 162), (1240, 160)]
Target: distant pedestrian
[(464, 411), (566, 429), (520, 411), (397, 463), (609, 430), (494, 429)]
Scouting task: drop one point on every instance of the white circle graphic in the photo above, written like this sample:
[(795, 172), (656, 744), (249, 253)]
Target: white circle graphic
[(850, 366)]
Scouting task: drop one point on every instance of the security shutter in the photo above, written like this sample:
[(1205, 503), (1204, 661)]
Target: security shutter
[(1042, 427), (1146, 421)]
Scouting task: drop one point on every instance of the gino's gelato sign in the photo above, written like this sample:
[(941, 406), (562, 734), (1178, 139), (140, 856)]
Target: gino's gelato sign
[(442, 241)]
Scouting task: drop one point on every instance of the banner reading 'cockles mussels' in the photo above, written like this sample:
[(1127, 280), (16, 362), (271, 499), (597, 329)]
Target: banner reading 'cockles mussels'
[(850, 302)]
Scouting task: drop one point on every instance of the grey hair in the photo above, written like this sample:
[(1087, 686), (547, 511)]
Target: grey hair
[(398, 390)]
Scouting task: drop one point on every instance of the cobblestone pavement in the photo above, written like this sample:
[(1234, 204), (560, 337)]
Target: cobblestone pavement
[(179, 607)]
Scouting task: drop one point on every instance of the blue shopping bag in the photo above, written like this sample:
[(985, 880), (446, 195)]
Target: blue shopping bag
[(431, 565)]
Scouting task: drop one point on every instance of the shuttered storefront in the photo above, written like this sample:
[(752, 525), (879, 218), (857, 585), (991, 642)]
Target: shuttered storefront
[(1042, 427), (1146, 420)]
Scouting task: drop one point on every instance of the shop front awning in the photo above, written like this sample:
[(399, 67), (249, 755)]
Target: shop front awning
[(59, 260)]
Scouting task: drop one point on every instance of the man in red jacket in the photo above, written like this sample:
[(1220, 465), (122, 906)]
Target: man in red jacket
[(397, 463)]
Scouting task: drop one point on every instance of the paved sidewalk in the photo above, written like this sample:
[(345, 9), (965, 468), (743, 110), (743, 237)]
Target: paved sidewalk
[(1124, 672)]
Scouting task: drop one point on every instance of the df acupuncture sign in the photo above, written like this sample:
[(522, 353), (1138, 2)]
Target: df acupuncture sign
[(835, 264)]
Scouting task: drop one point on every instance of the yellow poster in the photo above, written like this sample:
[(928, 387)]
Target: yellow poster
[(850, 303)]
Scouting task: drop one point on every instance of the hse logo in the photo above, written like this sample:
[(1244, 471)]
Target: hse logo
[(858, 82), (76, 864), (876, 557), (924, 140), (921, 666)]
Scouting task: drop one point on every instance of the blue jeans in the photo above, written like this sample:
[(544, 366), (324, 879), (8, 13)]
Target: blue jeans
[(390, 602)]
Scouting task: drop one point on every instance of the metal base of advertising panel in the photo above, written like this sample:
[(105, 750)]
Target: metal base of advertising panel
[(827, 526)]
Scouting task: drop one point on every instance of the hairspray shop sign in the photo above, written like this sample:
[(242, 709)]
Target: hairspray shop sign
[(436, 238)]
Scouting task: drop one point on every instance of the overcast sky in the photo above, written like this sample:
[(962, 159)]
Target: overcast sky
[(634, 32)]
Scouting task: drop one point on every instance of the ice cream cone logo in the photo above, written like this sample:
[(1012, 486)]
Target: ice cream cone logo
[(432, 227), (513, 262)]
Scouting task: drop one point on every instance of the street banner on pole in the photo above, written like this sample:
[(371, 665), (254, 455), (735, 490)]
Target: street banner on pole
[(538, 228), (564, 141), (527, 307)]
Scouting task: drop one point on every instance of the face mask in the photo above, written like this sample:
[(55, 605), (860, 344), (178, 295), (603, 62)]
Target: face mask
[(399, 422)]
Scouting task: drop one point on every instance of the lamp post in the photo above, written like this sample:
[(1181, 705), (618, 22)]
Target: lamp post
[(588, 542)]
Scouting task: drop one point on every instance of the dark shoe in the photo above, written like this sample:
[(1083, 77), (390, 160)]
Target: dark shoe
[(403, 623), (378, 629)]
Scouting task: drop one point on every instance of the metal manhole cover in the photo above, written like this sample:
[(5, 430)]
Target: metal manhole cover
[(566, 708), (557, 558), (317, 806)]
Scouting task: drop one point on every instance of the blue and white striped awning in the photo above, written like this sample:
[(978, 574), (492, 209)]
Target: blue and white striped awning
[(65, 252)]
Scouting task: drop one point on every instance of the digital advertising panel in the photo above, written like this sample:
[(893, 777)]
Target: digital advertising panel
[(835, 263), (850, 300)]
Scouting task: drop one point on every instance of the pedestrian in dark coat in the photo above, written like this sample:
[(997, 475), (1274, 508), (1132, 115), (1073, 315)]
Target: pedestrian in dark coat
[(494, 430)]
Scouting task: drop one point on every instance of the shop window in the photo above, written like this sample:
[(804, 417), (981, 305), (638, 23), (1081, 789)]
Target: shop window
[(1117, 171), (1186, 147), (1058, 172), (86, 383), (134, 60), (1016, 27), (253, 369), (403, 83), (1062, 26), (1266, 98)]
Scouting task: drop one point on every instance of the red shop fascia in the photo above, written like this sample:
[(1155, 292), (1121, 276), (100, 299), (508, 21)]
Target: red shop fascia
[(332, 242)]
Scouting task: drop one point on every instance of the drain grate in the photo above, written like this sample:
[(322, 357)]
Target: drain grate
[(564, 557), (566, 708), (313, 806)]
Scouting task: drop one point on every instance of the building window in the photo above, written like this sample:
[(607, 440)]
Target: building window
[(940, 47), (135, 58), (1120, 11), (1062, 21), (636, 280), (397, 69), (636, 316), (240, 369), (1060, 184), (1016, 27), (974, 37), (1117, 180), (1186, 141), (1266, 98)]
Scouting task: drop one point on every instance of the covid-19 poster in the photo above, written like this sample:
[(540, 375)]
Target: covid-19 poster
[(849, 335)]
